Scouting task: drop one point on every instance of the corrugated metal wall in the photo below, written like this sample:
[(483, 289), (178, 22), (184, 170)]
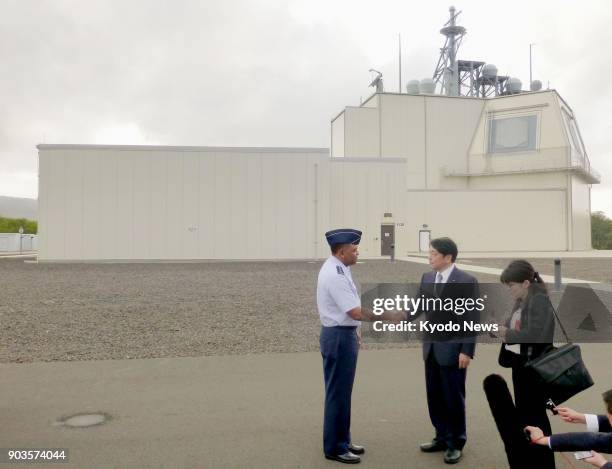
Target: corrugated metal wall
[(119, 203)]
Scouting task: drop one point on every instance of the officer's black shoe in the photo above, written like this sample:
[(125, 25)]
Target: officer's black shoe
[(346, 458), (433, 446), (452, 456), (356, 449)]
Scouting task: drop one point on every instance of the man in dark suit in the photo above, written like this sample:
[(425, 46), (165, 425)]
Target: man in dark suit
[(446, 361)]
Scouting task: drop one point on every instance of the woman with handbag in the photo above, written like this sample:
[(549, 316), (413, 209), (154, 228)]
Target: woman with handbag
[(528, 333)]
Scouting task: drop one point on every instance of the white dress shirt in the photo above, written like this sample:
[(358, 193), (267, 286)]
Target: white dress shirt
[(336, 294), (442, 277)]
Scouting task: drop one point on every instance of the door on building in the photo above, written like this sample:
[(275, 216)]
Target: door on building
[(424, 240), (387, 238)]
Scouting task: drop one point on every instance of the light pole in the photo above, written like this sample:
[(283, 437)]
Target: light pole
[(20, 238)]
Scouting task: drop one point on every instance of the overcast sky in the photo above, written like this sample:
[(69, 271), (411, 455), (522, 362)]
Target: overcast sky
[(267, 73)]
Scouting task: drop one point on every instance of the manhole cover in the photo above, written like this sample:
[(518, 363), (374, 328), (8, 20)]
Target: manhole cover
[(84, 420)]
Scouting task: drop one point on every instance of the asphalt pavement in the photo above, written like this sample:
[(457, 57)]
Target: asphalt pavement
[(248, 411)]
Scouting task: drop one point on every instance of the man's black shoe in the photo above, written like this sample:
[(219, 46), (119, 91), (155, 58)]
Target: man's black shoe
[(452, 456), (346, 458), (433, 446), (356, 449)]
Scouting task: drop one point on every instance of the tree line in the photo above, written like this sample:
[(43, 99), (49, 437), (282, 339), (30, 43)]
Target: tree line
[(601, 231), (11, 225)]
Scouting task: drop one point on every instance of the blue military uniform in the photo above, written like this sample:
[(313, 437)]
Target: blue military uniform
[(336, 295)]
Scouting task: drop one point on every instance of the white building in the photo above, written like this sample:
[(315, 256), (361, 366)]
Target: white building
[(508, 173)]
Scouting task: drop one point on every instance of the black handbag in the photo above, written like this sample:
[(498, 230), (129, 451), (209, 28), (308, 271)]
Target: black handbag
[(561, 371)]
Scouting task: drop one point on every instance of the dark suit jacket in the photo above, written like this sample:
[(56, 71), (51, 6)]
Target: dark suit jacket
[(460, 284), (585, 441), (604, 424), (536, 332)]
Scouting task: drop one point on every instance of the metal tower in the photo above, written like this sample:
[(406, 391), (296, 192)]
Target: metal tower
[(467, 77), (447, 70)]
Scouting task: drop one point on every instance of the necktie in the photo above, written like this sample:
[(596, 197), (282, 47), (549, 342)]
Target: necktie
[(438, 284)]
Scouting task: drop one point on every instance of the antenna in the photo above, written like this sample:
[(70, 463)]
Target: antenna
[(530, 76), (400, 63), (377, 81)]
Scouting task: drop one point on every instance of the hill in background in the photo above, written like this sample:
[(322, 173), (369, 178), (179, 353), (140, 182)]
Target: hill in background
[(16, 207)]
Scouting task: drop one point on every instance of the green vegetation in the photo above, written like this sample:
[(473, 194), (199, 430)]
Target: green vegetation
[(11, 225), (601, 231)]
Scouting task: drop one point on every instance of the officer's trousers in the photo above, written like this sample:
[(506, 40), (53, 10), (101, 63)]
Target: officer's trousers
[(339, 348)]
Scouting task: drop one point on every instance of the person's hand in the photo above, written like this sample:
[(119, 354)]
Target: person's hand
[(596, 460), (359, 336), (464, 361), (536, 435), (570, 415)]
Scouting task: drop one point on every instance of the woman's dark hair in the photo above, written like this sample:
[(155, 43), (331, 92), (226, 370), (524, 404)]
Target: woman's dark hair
[(520, 270), (445, 246), (607, 397)]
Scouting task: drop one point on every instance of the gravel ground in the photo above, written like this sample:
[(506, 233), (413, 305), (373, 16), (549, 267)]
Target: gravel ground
[(597, 270), (63, 312)]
